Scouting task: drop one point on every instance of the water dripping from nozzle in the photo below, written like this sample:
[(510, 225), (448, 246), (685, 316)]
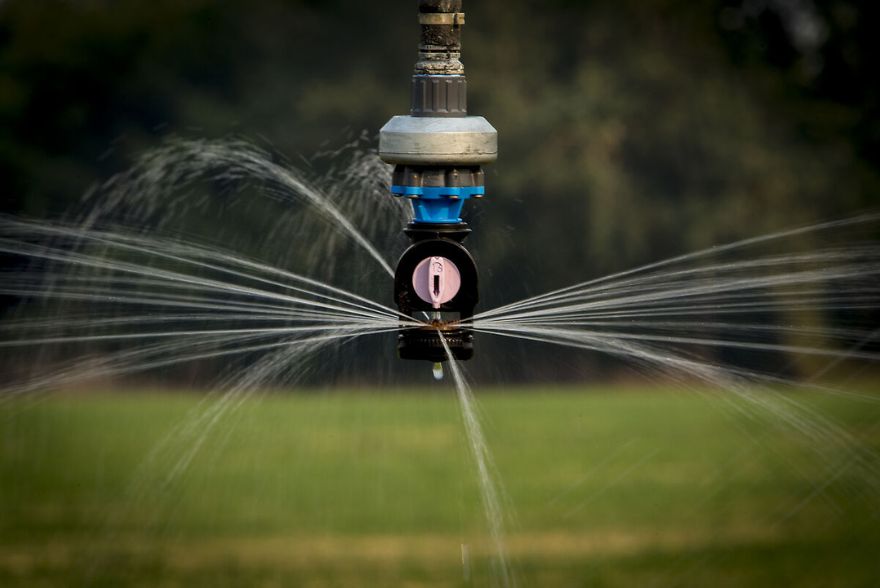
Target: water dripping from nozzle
[(438, 371)]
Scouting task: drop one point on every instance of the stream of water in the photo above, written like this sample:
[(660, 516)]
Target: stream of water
[(486, 472)]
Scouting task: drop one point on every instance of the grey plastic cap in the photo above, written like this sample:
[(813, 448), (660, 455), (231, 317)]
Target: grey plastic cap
[(412, 140)]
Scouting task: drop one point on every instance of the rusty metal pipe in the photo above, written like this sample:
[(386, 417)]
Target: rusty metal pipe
[(440, 44)]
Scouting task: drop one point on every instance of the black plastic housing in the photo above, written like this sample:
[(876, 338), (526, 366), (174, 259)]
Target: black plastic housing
[(408, 302), (441, 240)]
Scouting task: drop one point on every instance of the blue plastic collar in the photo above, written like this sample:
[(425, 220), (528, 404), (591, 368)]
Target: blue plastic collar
[(435, 204)]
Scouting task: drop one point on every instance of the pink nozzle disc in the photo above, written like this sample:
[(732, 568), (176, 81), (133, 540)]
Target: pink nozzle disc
[(436, 280)]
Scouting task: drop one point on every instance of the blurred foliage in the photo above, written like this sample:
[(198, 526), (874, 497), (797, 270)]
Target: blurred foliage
[(629, 130)]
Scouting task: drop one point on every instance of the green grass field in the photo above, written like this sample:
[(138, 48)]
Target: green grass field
[(605, 488)]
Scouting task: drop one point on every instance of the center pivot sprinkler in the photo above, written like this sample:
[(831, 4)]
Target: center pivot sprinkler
[(437, 152)]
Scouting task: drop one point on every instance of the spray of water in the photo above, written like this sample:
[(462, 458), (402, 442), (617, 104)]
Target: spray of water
[(164, 190), (210, 304), (132, 287), (682, 317), (204, 250), (489, 488), (148, 280)]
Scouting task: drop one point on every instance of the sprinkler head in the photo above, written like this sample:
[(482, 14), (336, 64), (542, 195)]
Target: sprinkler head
[(437, 151), (436, 284)]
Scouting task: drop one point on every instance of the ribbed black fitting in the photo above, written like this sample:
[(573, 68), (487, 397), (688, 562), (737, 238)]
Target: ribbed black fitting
[(439, 96), (424, 176)]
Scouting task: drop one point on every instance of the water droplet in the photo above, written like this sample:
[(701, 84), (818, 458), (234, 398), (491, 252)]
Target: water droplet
[(438, 371)]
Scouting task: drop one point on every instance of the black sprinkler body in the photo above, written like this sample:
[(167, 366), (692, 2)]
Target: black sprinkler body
[(438, 152), (431, 242)]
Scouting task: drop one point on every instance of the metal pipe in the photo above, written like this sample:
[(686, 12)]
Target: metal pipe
[(440, 44)]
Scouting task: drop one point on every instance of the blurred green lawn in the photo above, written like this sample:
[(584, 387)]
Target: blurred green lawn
[(616, 487)]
